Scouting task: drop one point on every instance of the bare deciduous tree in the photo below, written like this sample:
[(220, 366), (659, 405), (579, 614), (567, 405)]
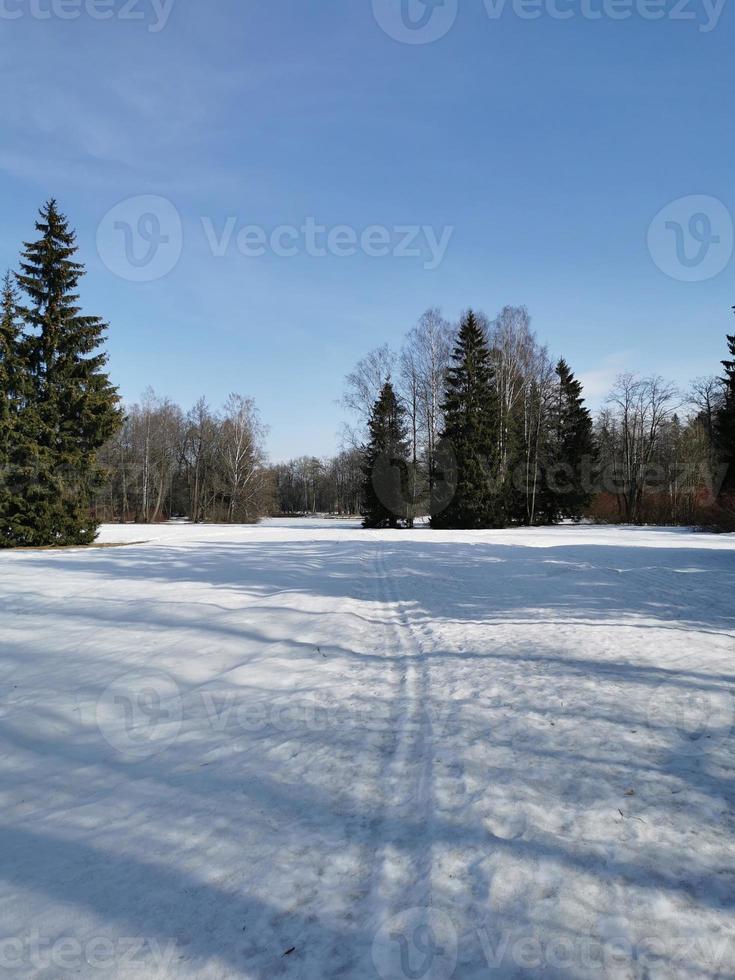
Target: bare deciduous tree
[(639, 409), (362, 387), (242, 454), (210, 467), (430, 343), (514, 350)]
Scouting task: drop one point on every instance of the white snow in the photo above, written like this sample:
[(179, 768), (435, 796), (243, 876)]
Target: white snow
[(397, 754)]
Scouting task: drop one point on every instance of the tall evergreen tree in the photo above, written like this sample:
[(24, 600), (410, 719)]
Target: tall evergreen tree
[(73, 406), (19, 425), (12, 380), (569, 492), (10, 332), (725, 421), (386, 497), (470, 427)]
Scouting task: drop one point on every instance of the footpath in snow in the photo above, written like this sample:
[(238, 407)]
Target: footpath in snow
[(307, 750)]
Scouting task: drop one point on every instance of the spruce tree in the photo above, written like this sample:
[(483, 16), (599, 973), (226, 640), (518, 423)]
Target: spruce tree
[(73, 407), (12, 379), (470, 427), (10, 332), (513, 488), (386, 497), (569, 491), (725, 422)]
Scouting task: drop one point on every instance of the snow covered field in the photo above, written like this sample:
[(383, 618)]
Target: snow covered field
[(307, 750)]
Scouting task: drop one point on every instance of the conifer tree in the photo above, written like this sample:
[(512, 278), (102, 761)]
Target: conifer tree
[(73, 408), (470, 427), (725, 421), (571, 470), (512, 489), (19, 426), (9, 363), (12, 379), (386, 499)]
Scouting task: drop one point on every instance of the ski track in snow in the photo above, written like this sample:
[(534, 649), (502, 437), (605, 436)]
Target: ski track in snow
[(403, 862), (309, 751)]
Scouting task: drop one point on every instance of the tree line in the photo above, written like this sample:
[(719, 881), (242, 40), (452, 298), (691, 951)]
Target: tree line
[(476, 426), (309, 485), (70, 454), (468, 425), (507, 440), (202, 464)]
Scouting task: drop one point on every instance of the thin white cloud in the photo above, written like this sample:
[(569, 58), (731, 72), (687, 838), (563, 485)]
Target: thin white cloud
[(598, 381)]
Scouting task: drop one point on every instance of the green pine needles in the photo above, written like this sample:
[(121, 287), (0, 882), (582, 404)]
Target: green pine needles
[(57, 405), (471, 428), (385, 467)]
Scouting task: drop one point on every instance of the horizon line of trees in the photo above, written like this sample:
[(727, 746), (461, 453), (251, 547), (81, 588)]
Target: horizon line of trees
[(481, 414), (505, 415), (70, 454), (639, 460), (468, 425), (201, 464)]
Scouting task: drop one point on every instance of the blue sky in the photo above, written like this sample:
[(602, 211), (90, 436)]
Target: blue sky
[(547, 146)]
